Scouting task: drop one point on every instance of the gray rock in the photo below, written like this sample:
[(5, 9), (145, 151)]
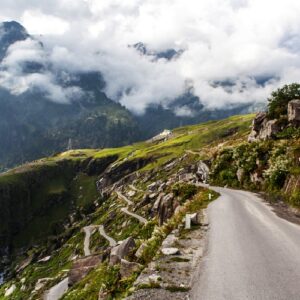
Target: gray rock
[(294, 112), (157, 202), (10, 290), (269, 130), (82, 266), (170, 251), (127, 268), (140, 251), (202, 171), (121, 251), (263, 129), (166, 208), (154, 279)]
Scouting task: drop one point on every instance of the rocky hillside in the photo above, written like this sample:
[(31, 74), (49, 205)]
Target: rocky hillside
[(92, 220), (269, 160), (129, 221)]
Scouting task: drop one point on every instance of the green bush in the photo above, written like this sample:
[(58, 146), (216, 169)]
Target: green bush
[(295, 198), (289, 132), (184, 191), (279, 100), (227, 175)]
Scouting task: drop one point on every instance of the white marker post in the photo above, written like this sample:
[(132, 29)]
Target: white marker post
[(209, 196)]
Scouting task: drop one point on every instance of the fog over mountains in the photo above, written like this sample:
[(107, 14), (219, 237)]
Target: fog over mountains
[(45, 104)]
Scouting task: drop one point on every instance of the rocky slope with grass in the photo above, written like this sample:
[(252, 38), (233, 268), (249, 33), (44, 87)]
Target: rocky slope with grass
[(130, 221), (269, 161)]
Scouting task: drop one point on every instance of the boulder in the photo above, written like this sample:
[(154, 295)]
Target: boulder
[(121, 251), (81, 267), (269, 130), (140, 251), (294, 112), (127, 268), (165, 208), (258, 121), (10, 290), (263, 129), (170, 251), (169, 241), (202, 172), (257, 125), (156, 204)]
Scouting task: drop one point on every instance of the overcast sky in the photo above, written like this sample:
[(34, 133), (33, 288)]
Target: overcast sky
[(223, 40)]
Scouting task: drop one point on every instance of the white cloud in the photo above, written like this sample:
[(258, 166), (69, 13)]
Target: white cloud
[(224, 40), (38, 23), (13, 77)]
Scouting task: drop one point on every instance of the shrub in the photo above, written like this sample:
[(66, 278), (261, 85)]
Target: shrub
[(184, 191), (289, 132), (277, 172), (279, 100), (295, 198)]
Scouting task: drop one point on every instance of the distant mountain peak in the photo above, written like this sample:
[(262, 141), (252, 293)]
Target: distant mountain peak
[(10, 33), (13, 25), (167, 54)]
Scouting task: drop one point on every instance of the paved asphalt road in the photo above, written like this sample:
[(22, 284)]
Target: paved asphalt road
[(251, 253)]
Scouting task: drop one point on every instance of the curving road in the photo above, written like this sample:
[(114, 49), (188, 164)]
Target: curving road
[(122, 197), (251, 253), (112, 242), (138, 217), (88, 230)]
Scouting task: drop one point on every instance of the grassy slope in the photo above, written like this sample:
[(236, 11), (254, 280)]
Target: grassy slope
[(71, 184), (57, 178)]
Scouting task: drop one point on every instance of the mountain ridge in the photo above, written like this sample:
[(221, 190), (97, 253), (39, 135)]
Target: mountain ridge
[(34, 126)]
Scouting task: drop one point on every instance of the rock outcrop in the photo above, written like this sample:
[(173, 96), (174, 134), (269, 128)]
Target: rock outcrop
[(121, 251), (294, 112), (82, 266), (127, 268), (263, 128)]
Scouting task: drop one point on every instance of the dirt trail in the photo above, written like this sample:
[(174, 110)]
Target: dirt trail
[(88, 230), (121, 196), (141, 219), (111, 241)]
